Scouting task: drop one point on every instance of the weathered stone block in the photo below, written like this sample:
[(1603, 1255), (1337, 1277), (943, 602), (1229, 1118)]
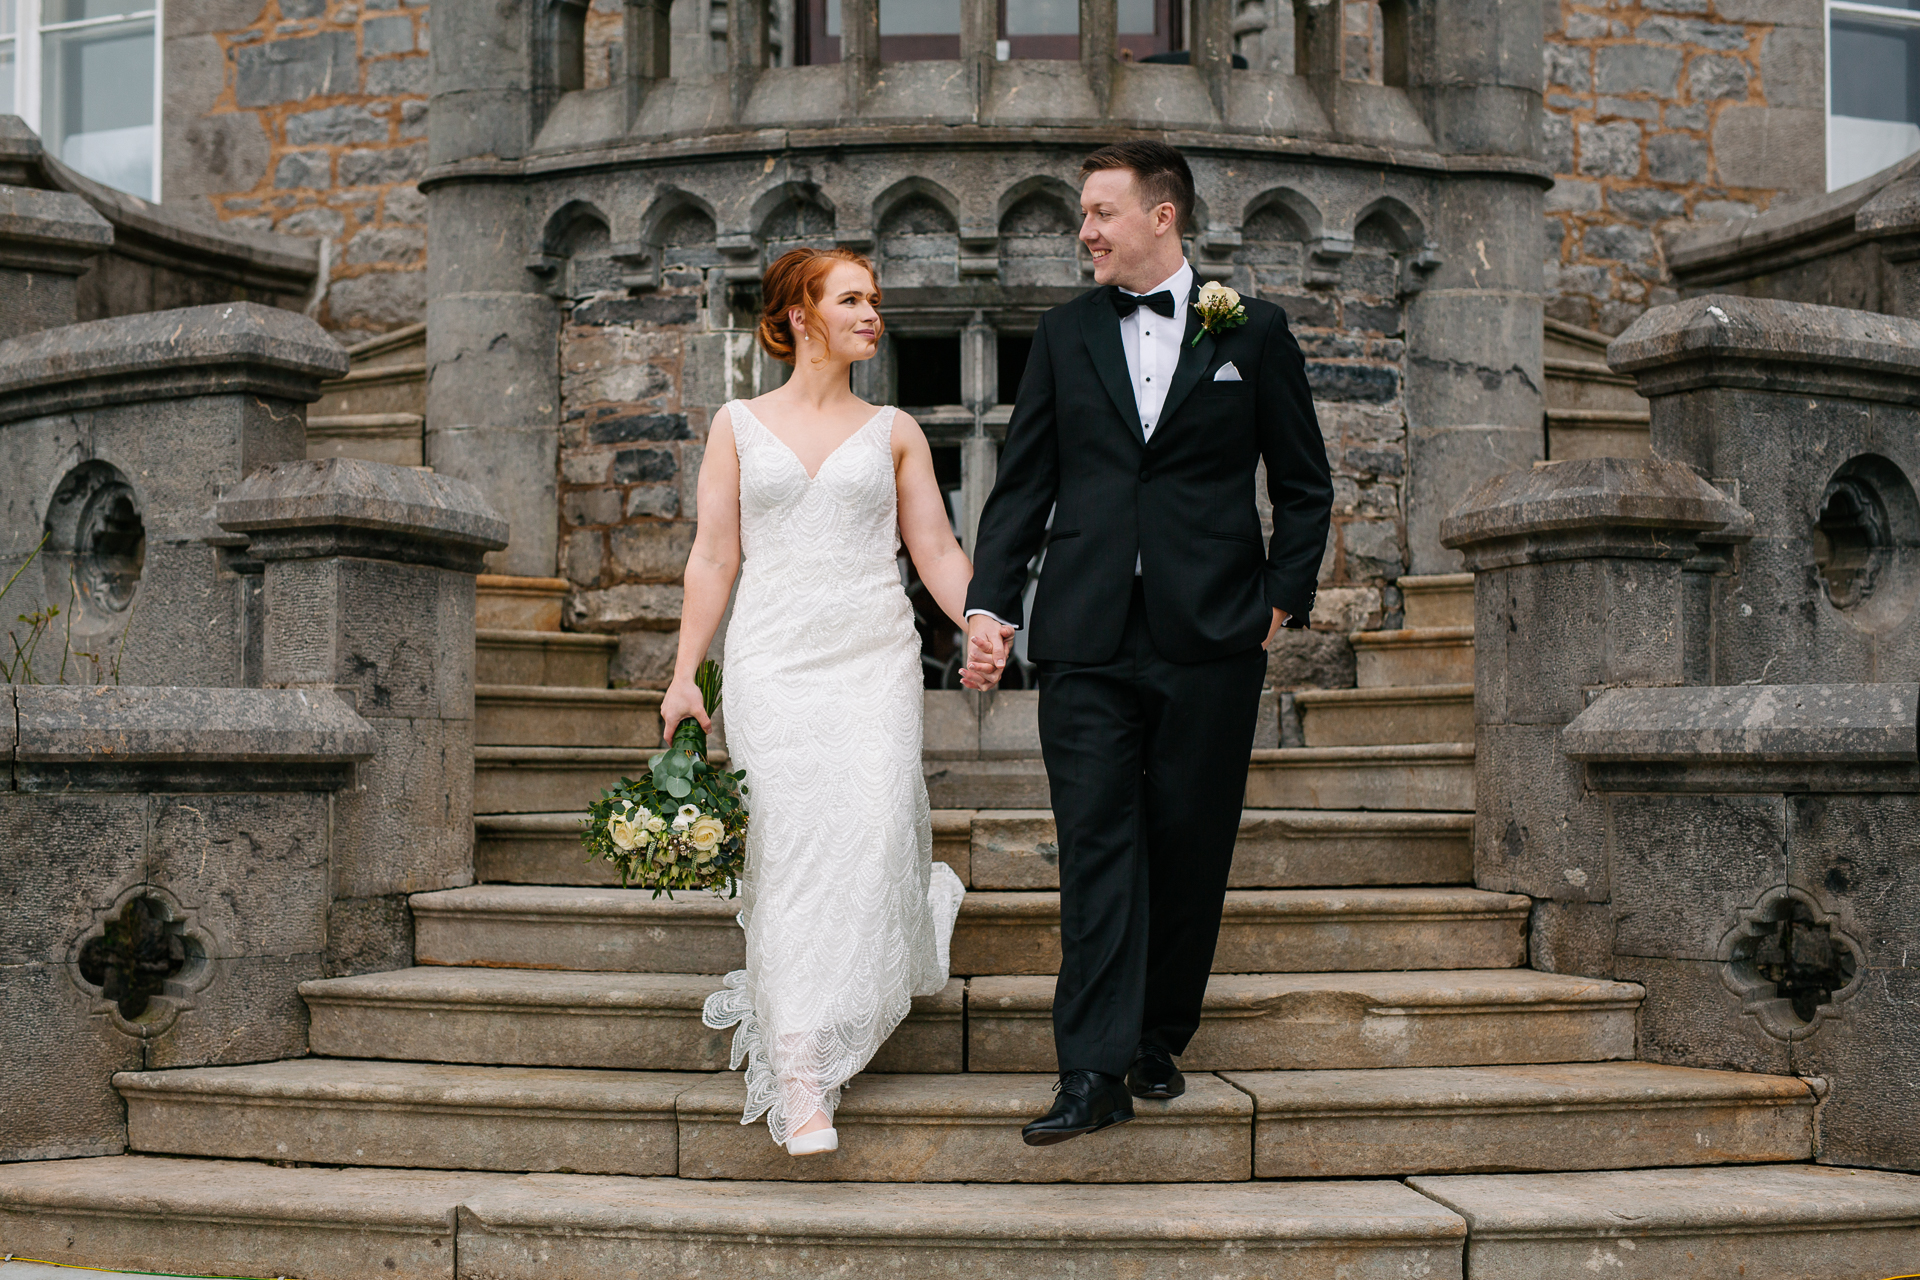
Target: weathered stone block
[(1683, 867), (66, 854), (1538, 831), (408, 828), (368, 935), (55, 1099), (251, 1011), (251, 868), (292, 70), (1692, 1019), (651, 551)]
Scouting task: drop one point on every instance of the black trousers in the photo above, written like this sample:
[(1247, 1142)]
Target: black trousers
[(1148, 764)]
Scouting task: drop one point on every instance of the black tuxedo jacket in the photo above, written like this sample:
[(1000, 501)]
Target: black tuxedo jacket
[(1184, 501)]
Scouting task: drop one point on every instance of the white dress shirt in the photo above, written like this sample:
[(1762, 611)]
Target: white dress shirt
[(1152, 345)]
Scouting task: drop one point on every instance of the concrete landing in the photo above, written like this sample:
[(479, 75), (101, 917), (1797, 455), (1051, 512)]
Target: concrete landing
[(553, 1227), (1778, 1222), (214, 1217)]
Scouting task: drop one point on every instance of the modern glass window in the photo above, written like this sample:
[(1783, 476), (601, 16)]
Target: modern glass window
[(85, 76), (1873, 88)]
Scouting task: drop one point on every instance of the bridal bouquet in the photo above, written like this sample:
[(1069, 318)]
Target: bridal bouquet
[(684, 824)]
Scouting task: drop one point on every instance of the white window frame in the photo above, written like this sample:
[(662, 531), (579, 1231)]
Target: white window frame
[(1882, 13), (28, 37)]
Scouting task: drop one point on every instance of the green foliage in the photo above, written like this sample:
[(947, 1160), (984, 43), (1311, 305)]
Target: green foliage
[(644, 828), (16, 665)]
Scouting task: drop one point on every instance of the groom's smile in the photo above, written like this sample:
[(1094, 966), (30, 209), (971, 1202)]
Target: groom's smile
[(1134, 245)]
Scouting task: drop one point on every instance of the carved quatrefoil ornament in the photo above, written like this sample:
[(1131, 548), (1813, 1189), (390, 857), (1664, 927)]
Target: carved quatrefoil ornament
[(142, 962), (1791, 963)]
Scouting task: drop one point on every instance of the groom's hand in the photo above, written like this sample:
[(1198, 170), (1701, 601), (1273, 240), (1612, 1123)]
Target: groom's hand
[(1279, 620), (988, 643)]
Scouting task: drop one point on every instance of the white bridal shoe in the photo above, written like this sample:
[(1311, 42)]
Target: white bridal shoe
[(817, 1143)]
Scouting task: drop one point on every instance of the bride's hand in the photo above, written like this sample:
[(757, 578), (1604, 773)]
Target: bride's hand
[(682, 699)]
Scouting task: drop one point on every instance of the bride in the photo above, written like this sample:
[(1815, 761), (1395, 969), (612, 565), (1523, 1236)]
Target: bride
[(807, 493)]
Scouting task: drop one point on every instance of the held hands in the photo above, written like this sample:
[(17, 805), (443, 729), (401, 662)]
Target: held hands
[(988, 643), (682, 700)]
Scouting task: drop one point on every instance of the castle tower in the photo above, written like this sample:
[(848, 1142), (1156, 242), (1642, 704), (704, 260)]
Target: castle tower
[(604, 195)]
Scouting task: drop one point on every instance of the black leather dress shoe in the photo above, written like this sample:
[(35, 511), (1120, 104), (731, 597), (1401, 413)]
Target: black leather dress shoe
[(1088, 1102), (1153, 1074)]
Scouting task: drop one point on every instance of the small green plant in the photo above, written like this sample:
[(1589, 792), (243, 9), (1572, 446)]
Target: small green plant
[(16, 665)]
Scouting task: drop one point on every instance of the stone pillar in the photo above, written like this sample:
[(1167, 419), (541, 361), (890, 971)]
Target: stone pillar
[(1099, 41), (1577, 589), (859, 48), (1474, 393), (493, 365), (370, 593), (196, 821), (116, 439), (979, 453), (1809, 417), (47, 238)]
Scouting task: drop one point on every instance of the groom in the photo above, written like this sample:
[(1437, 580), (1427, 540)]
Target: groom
[(1139, 423)]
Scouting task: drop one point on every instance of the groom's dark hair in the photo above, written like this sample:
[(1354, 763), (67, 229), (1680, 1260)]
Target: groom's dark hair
[(1159, 170)]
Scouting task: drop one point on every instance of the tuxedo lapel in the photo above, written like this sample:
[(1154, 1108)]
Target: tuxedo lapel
[(1100, 327), (1194, 361)]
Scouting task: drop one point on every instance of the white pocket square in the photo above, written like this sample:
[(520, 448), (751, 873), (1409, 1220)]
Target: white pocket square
[(1227, 373)]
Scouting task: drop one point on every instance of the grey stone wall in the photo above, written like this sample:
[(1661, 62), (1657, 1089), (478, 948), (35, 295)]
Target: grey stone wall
[(1760, 849), (118, 436), (1664, 114), (189, 830), (1806, 413)]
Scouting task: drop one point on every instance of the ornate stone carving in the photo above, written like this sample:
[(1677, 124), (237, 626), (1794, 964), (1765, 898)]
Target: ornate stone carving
[(1790, 962), (142, 961)]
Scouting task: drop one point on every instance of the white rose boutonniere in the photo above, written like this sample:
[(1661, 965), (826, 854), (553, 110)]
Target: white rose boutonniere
[(1219, 309)]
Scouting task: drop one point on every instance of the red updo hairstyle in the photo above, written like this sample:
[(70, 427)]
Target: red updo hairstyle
[(797, 279)]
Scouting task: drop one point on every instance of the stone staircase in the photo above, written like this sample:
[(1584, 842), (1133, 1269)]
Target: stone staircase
[(537, 1096), (378, 410), (1592, 412)]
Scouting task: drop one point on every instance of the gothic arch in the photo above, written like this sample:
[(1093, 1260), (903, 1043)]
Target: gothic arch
[(907, 189), (1399, 224), (1302, 215)]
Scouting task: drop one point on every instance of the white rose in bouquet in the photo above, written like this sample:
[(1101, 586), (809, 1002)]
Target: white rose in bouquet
[(622, 833), (707, 833), (655, 824), (684, 819)]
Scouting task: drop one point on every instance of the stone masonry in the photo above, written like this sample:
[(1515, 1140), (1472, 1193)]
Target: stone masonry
[(1663, 113), (310, 118)]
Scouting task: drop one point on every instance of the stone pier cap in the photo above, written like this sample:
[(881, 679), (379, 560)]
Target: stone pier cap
[(53, 230), (1637, 508), (1753, 738), (1765, 344), (115, 738), (228, 348), (351, 507)]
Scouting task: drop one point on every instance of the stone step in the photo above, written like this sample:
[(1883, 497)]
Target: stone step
[(395, 438), (1381, 717), (1308, 1021), (1771, 1222), (218, 1217), (535, 779), (563, 658), (626, 1021), (920, 1128), (1261, 931), (400, 387), (412, 1115), (503, 602), (536, 715), (1018, 849), (559, 1227), (987, 784), (1436, 599), (1588, 384), (1599, 1115), (544, 848), (1599, 433), (1421, 776), (1413, 655), (1276, 849)]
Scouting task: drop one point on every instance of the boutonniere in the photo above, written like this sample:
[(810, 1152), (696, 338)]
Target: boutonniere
[(1219, 309)]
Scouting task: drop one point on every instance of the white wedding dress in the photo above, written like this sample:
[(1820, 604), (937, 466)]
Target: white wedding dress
[(847, 916)]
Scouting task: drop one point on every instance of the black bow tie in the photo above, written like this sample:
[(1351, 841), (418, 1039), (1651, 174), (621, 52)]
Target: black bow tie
[(1128, 303)]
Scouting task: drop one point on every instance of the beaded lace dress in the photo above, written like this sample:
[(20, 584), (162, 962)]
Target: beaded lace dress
[(847, 917)]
